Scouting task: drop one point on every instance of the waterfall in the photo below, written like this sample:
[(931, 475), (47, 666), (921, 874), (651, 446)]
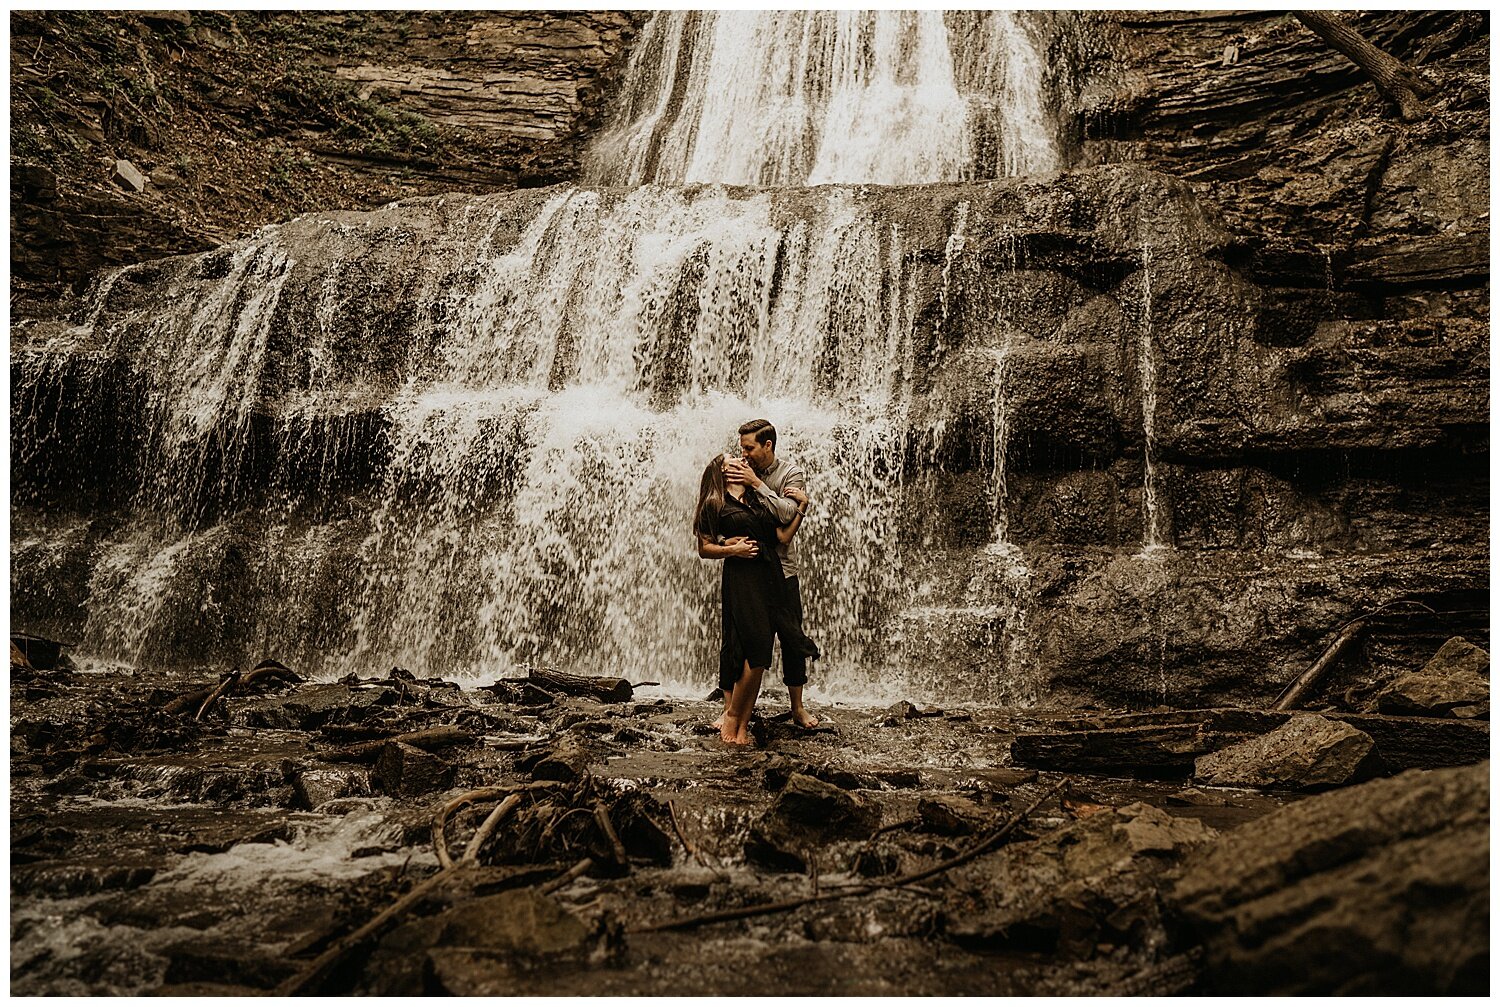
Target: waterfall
[(814, 97), (464, 434)]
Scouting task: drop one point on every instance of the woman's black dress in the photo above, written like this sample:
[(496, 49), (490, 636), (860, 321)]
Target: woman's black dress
[(757, 605)]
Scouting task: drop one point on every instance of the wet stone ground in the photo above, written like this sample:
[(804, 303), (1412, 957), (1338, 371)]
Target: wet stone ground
[(277, 838)]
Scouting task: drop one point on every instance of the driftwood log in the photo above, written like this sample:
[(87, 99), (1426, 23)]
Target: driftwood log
[(1293, 694), (603, 690), (428, 739)]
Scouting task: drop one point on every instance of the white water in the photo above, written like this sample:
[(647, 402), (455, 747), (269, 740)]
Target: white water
[(568, 365), (814, 97)]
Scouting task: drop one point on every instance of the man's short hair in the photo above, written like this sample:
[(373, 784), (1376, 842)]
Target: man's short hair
[(762, 430)]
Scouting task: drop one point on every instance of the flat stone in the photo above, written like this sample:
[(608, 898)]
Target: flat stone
[(1394, 872), (951, 816), (1455, 683), (806, 816), (1308, 752), (1092, 881), (128, 176)]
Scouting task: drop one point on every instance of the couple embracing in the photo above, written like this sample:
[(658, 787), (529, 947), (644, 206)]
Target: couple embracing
[(749, 511)]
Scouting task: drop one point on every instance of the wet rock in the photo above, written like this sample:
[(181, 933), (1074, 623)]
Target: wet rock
[(1150, 751), (314, 786), (1091, 882), (1455, 683), (780, 769), (473, 944), (215, 961), (1383, 887), (565, 762), (951, 816), (906, 711), (1308, 752), (899, 779), (309, 707), (64, 879), (804, 818), (405, 771)]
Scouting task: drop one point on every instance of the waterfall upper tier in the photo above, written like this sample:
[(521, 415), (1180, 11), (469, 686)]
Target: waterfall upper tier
[(814, 97)]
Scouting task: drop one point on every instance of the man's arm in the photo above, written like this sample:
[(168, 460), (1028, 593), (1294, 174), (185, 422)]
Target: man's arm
[(784, 508)]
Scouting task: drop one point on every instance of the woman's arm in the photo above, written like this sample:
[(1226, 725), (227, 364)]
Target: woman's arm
[(785, 532), (739, 547)]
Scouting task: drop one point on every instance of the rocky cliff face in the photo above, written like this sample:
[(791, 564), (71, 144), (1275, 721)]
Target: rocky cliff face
[(238, 120)]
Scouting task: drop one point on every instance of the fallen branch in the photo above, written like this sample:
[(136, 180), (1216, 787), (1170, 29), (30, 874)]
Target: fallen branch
[(428, 739), (978, 849), (230, 681), (320, 966), (487, 828), (440, 820), (603, 690), (1294, 694), (1402, 85), (568, 876), (617, 848)]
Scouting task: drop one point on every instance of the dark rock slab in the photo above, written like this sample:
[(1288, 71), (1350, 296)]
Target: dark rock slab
[(470, 948), (949, 815), (215, 961), (85, 876), (405, 771), (564, 762), (1152, 751), (1378, 888), (1091, 882), (1308, 752), (806, 816)]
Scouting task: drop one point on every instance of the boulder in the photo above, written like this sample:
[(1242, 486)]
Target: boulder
[(1093, 881), (490, 936), (951, 816), (405, 771), (313, 786), (127, 176), (1455, 683), (1308, 752), (1379, 888), (806, 816)]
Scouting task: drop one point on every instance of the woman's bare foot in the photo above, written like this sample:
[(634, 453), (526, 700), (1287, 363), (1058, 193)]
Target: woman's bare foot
[(804, 720)]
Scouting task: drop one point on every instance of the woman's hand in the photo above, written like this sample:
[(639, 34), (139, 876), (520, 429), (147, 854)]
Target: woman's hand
[(800, 496), (741, 547)]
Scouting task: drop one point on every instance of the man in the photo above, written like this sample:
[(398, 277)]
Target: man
[(769, 476)]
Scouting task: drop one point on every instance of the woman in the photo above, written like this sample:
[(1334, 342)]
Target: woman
[(733, 525)]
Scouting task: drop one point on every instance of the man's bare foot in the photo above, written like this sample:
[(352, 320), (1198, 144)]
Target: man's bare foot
[(718, 725), (804, 720)]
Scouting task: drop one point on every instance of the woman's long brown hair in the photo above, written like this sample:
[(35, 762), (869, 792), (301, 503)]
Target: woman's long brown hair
[(710, 499)]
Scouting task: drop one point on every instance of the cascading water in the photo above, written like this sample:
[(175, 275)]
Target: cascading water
[(1147, 364), (465, 435), (815, 97)]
